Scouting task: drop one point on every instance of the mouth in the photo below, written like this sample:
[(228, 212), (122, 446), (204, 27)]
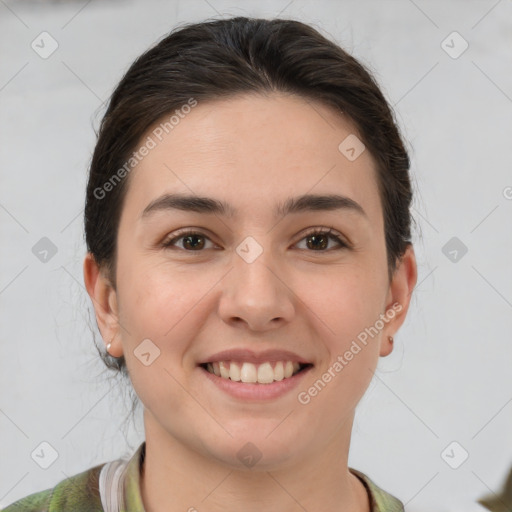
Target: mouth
[(246, 372)]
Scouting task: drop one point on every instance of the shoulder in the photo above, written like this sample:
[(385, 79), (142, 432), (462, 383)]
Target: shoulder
[(381, 501), (79, 493)]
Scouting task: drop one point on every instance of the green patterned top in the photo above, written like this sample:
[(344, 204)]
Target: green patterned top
[(115, 487)]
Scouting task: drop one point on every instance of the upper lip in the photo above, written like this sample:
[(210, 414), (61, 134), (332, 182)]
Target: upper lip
[(249, 356)]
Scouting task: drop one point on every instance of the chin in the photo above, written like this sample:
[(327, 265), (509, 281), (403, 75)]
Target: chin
[(255, 450)]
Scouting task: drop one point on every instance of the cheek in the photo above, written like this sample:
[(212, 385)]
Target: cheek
[(155, 299), (347, 305), (346, 308), (169, 307), (163, 307), (347, 301)]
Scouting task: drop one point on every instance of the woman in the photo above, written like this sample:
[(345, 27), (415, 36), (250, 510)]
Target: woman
[(249, 259)]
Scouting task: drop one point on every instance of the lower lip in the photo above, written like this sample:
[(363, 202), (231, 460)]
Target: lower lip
[(256, 391)]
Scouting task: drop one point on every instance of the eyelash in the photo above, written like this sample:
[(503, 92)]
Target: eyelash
[(334, 235)]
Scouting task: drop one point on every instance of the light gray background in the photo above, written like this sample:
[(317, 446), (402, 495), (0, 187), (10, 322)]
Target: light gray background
[(449, 377)]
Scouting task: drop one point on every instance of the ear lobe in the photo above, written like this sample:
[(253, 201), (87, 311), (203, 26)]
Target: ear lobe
[(103, 297), (399, 297)]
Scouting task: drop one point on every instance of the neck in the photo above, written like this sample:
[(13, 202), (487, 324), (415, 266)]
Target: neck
[(178, 478)]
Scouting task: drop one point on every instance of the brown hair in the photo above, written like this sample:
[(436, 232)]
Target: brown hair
[(217, 59)]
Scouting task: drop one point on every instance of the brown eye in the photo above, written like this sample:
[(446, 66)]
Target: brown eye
[(190, 241), (193, 242), (318, 240)]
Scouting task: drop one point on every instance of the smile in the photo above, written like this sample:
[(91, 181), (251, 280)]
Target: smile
[(246, 372)]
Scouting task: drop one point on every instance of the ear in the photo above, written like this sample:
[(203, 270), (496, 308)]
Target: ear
[(399, 297), (104, 299)]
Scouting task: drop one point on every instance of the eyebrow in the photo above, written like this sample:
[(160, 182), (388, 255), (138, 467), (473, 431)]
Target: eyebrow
[(208, 205)]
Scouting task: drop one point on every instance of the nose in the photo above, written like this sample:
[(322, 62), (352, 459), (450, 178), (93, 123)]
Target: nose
[(256, 295)]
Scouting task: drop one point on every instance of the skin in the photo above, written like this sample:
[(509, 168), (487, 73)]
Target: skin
[(252, 152)]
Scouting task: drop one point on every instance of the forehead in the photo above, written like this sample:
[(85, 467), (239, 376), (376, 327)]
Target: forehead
[(250, 150)]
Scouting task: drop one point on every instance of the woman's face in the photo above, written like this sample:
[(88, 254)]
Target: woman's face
[(258, 280)]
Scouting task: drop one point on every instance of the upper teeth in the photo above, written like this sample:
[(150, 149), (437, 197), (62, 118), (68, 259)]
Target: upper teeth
[(248, 372)]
